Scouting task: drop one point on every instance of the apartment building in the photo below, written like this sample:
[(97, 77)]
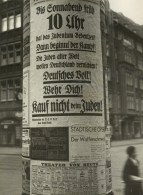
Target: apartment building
[(125, 77), (123, 65), (10, 72)]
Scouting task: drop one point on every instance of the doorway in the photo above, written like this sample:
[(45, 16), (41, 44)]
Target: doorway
[(7, 135)]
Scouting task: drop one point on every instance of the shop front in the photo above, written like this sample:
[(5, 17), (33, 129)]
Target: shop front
[(10, 132), (137, 129), (126, 127)]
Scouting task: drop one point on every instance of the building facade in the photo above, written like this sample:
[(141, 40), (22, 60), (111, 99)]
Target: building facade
[(10, 72), (123, 67), (125, 77)]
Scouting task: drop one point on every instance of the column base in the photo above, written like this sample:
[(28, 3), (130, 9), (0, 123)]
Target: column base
[(111, 193)]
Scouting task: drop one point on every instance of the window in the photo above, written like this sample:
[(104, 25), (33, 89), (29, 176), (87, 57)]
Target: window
[(109, 74), (10, 54), (17, 53), (17, 83), (18, 21), (128, 43), (116, 55), (8, 89), (141, 83), (142, 105), (3, 56), (117, 76), (118, 102), (107, 50), (4, 24), (11, 21), (130, 103), (11, 91), (110, 100), (3, 91), (129, 79), (140, 63), (120, 35), (139, 47), (129, 57), (137, 105), (136, 83)]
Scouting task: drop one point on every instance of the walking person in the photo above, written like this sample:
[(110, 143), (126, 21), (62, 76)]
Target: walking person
[(131, 175)]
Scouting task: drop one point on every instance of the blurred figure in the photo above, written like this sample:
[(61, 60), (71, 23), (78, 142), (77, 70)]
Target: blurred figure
[(131, 175)]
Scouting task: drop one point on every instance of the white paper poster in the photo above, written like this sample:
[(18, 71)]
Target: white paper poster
[(56, 178), (26, 142), (66, 76)]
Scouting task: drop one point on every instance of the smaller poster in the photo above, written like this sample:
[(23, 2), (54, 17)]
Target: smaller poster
[(50, 143), (57, 178), (26, 142), (87, 143), (25, 176), (18, 132), (108, 172), (26, 84)]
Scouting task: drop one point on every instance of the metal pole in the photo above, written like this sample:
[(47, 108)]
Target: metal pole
[(105, 23), (64, 133)]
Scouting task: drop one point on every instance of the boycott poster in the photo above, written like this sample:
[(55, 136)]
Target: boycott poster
[(66, 76), (67, 179)]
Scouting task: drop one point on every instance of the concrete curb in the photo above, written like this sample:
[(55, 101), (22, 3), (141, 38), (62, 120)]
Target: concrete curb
[(126, 142)]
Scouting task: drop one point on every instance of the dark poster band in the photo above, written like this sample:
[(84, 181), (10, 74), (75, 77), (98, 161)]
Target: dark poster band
[(65, 50), (68, 114)]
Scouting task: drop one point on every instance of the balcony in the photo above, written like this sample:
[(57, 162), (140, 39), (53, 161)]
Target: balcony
[(11, 69), (10, 105), (130, 88), (11, 35), (11, 4)]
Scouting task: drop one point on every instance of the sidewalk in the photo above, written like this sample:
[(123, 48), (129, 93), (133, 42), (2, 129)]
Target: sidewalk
[(17, 151), (10, 151), (126, 142)]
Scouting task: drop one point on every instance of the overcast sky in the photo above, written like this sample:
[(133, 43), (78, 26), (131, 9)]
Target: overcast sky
[(133, 9)]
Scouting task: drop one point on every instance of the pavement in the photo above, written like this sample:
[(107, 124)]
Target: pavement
[(10, 151), (10, 166), (127, 142), (10, 171)]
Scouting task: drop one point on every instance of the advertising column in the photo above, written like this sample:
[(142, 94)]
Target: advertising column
[(64, 142)]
